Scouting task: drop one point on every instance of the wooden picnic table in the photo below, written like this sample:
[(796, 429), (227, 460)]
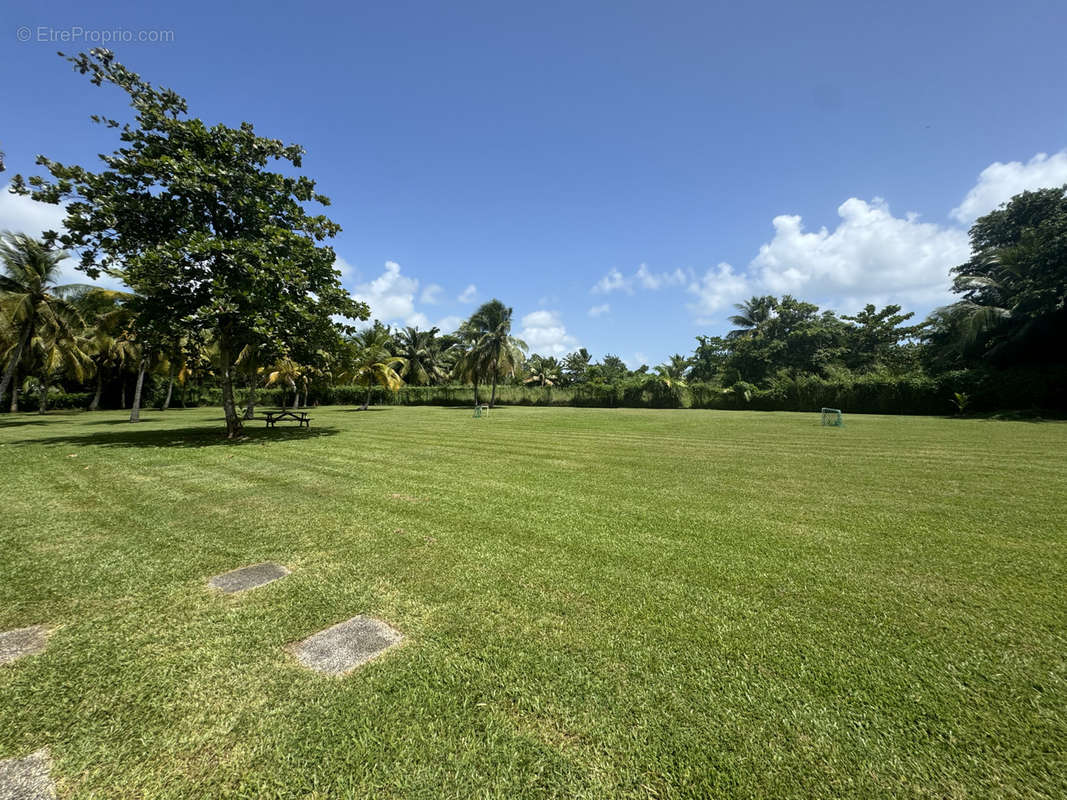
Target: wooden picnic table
[(302, 418)]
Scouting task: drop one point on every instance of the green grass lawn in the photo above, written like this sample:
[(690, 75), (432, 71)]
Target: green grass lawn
[(595, 603)]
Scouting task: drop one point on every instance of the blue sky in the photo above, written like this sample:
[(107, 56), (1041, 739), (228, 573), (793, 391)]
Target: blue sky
[(619, 173)]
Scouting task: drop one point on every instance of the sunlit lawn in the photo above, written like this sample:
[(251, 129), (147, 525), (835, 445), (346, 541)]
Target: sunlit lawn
[(596, 603)]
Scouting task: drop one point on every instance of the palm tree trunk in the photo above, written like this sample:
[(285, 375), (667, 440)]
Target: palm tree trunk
[(475, 391), (233, 422), (250, 403), (366, 402), (15, 393), (135, 409), (42, 397), (12, 365), (492, 396), (94, 404), (170, 388)]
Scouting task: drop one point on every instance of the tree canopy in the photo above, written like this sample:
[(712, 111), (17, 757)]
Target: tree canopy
[(214, 243)]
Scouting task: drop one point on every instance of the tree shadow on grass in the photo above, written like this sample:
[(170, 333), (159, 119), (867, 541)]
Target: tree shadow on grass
[(20, 423), (203, 436)]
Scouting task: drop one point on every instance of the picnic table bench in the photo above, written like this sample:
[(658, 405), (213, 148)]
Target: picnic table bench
[(302, 418)]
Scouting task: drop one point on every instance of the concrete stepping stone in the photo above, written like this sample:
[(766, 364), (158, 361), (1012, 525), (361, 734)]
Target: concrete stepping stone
[(27, 778), (22, 642), (345, 646), (238, 580)]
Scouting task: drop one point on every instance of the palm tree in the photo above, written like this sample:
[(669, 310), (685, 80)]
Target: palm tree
[(59, 351), (544, 370), (495, 349), (109, 321), (248, 362), (287, 372), (30, 295), (753, 313), (421, 352), (673, 373), (467, 366), (374, 363)]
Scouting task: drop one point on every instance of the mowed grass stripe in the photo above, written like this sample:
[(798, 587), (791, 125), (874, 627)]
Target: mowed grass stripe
[(595, 603)]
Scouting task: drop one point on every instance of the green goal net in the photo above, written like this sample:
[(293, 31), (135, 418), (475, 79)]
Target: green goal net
[(832, 417)]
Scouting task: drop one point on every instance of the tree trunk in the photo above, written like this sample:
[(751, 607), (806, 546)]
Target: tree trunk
[(122, 397), (475, 391), (42, 398), (366, 402), (15, 393), (135, 409), (16, 357), (250, 404), (170, 389), (492, 395), (233, 422), (94, 404)]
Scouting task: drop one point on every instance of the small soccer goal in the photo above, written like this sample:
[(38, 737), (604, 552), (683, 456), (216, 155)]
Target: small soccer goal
[(481, 411), (832, 417)]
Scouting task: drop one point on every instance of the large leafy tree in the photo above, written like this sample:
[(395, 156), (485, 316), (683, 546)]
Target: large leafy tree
[(1013, 289), (576, 367), (33, 301), (612, 369), (495, 350), (878, 339), (709, 359), (215, 244)]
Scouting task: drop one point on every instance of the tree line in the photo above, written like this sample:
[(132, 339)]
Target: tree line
[(232, 286)]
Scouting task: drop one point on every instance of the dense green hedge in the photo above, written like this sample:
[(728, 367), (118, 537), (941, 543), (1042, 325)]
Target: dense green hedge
[(881, 394), (56, 400)]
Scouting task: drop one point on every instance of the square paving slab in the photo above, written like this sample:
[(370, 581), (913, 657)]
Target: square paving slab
[(238, 580), (22, 642), (27, 778), (346, 645)]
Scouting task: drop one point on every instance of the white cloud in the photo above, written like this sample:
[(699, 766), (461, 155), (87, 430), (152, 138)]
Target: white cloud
[(449, 324), (999, 182), (546, 334), (391, 296), (869, 257), (348, 272), (643, 278), (597, 311), (718, 286), (468, 294), (653, 280), (431, 294), (613, 281), (418, 320), (640, 359), (20, 214)]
